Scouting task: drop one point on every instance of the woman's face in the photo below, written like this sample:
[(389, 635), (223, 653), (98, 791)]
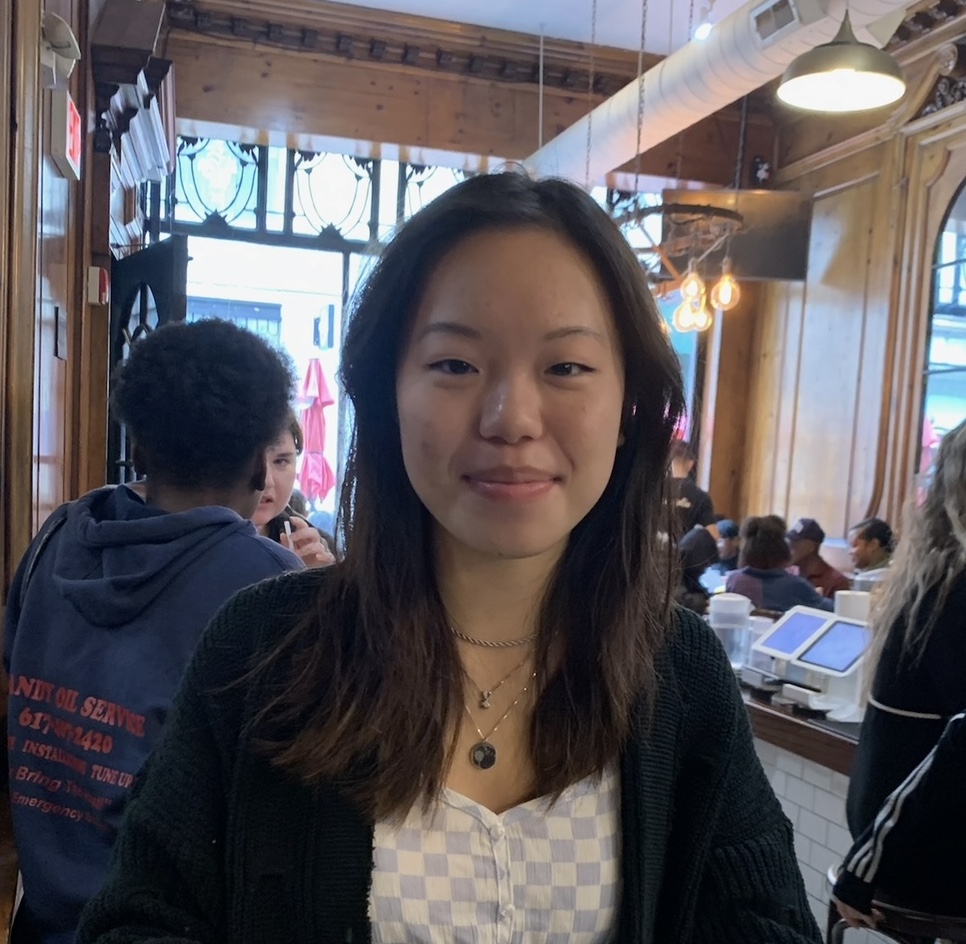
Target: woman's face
[(280, 480), (510, 394)]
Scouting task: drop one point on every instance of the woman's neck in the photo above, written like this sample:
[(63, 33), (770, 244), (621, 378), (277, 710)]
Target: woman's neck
[(491, 598)]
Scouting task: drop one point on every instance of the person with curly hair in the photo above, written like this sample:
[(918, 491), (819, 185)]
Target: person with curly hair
[(111, 598)]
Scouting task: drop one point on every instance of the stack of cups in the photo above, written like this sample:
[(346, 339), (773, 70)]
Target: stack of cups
[(729, 615), (853, 604)]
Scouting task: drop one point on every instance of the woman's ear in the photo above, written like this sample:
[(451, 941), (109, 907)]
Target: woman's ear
[(259, 472)]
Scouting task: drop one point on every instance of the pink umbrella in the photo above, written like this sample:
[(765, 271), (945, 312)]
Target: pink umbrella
[(316, 478)]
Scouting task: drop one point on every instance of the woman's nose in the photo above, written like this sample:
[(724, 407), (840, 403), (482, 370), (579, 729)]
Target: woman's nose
[(511, 410)]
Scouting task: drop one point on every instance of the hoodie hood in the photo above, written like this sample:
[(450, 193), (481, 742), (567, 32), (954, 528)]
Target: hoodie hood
[(117, 554)]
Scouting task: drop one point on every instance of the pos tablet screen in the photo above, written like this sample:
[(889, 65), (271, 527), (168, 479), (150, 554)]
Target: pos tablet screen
[(838, 649), (789, 634)]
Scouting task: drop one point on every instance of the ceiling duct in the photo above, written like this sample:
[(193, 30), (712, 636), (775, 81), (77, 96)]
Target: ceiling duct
[(745, 51)]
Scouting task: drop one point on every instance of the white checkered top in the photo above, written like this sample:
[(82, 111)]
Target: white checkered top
[(535, 874)]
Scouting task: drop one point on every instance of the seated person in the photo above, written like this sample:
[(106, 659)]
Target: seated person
[(698, 550), (728, 546), (912, 853), (917, 660), (871, 544), (109, 603), (275, 517), (805, 540), (763, 576)]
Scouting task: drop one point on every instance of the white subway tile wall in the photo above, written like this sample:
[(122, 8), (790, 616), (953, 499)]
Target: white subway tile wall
[(813, 798)]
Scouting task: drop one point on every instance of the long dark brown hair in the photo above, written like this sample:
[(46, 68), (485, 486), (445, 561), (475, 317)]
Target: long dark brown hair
[(372, 687)]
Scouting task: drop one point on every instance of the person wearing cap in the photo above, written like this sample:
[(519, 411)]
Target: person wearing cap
[(804, 540), (728, 546)]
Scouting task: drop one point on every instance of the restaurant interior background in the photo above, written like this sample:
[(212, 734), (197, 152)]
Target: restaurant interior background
[(244, 159)]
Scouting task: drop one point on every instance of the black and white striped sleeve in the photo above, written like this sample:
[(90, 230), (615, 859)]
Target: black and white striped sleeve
[(897, 848)]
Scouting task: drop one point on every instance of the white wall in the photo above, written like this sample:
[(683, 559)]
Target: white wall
[(813, 798)]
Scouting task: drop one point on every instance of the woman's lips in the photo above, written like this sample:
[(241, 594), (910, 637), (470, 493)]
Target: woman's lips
[(511, 484)]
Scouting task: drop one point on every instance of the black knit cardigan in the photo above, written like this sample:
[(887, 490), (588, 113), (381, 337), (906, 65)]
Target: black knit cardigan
[(220, 846)]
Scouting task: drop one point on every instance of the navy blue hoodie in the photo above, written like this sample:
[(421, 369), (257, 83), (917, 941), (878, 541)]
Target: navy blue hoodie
[(95, 647)]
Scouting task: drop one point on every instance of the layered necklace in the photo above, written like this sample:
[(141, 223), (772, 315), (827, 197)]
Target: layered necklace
[(483, 753)]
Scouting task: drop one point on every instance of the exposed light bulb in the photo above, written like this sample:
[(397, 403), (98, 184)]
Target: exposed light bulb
[(726, 292), (692, 285), (703, 31), (683, 317), (702, 318)]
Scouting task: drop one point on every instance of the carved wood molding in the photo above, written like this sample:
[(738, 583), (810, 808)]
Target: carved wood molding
[(129, 82), (923, 19), (950, 86), (355, 33)]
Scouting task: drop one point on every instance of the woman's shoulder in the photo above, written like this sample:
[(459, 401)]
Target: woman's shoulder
[(695, 656), (262, 614)]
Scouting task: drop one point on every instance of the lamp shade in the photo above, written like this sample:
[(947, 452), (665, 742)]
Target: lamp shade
[(842, 76)]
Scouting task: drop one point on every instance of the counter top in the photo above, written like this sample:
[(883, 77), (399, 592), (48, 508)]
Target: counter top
[(801, 736)]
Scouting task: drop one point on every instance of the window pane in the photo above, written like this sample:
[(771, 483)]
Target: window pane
[(944, 398)]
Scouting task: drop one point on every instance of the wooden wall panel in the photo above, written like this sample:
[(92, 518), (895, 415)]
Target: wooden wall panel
[(56, 272), (304, 100), (20, 271), (305, 95), (818, 372), (830, 358), (725, 402)]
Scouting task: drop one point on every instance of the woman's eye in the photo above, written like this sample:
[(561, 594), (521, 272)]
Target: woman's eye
[(570, 369), (453, 366)]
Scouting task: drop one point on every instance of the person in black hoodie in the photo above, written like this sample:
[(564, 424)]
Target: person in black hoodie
[(111, 598)]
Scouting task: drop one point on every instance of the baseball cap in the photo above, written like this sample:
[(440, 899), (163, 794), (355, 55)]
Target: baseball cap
[(806, 529), (728, 528)]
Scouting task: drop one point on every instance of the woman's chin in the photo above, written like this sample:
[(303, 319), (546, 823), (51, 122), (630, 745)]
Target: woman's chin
[(262, 516)]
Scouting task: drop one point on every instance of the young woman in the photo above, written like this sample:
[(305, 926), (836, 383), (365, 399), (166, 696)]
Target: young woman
[(763, 576), (274, 518), (918, 657), (487, 722)]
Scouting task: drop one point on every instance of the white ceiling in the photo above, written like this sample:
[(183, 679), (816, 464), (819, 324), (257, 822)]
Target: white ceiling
[(618, 21)]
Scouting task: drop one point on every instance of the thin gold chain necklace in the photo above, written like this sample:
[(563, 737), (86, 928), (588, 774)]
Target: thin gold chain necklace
[(483, 753), (487, 693)]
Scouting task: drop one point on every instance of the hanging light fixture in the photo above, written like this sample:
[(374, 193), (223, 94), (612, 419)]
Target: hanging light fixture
[(692, 315), (726, 292), (692, 285), (842, 76)]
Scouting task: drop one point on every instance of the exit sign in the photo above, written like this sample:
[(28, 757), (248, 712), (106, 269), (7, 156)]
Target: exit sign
[(66, 137)]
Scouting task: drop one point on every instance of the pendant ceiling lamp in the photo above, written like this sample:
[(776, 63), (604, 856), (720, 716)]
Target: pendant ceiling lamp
[(844, 75)]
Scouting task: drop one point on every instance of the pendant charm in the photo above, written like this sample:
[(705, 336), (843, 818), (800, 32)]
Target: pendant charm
[(483, 755), (485, 699)]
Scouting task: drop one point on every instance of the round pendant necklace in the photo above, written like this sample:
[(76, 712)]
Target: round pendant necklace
[(487, 694), (483, 753)]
